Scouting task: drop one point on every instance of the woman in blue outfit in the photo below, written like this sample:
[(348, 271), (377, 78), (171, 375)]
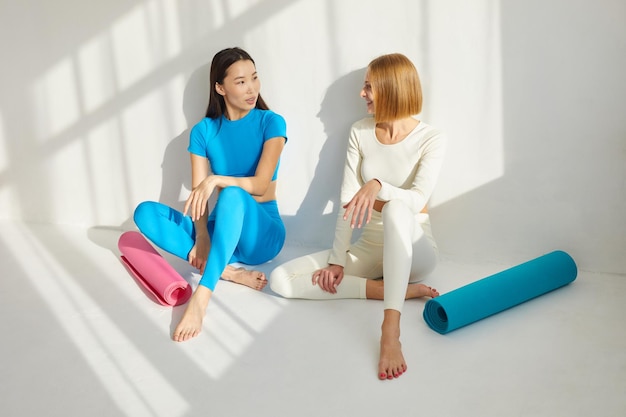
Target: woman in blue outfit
[(235, 153)]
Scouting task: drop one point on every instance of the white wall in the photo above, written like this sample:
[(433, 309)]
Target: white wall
[(97, 99)]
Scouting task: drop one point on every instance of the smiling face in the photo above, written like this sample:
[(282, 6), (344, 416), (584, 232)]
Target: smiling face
[(240, 89), (368, 95)]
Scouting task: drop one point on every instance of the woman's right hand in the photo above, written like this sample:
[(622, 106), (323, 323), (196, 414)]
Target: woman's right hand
[(359, 209), (328, 278), (196, 204), (200, 253)]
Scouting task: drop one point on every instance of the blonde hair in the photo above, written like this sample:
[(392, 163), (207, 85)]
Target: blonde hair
[(396, 87)]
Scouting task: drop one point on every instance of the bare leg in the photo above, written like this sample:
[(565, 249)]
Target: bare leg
[(190, 324), (252, 279), (374, 290), (391, 364)]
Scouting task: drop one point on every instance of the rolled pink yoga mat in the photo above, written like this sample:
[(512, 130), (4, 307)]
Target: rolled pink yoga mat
[(152, 271)]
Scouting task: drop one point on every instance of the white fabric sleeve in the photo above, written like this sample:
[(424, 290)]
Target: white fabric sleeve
[(352, 182), (425, 178)]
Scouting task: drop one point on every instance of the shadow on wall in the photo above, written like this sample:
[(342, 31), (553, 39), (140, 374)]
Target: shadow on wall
[(314, 222), (561, 148), (176, 165)]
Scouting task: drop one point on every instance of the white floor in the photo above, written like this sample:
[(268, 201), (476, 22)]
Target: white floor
[(80, 338)]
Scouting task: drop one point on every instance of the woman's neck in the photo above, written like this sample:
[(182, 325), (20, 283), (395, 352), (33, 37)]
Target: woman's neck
[(233, 114), (396, 130)]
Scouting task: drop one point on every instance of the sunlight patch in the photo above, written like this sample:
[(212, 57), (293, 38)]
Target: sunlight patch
[(121, 367), (56, 101)]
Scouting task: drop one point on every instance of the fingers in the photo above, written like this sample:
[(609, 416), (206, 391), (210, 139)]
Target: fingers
[(197, 262), (359, 216), (359, 211), (328, 285), (338, 280), (351, 213), (362, 216), (326, 280), (190, 206), (349, 207), (196, 205)]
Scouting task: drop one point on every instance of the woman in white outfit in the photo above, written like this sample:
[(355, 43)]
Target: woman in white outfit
[(392, 164)]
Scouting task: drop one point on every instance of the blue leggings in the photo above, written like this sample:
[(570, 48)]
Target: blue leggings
[(241, 230)]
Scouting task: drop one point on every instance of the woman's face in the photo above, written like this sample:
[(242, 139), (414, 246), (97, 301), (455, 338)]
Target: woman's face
[(240, 89), (366, 93)]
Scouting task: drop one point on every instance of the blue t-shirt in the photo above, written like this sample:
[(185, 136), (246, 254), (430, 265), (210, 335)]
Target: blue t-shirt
[(234, 148)]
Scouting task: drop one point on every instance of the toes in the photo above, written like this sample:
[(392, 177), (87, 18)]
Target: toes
[(260, 284), (392, 372), (432, 291), (184, 334)]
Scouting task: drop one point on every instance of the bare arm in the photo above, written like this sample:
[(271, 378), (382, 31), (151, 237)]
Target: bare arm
[(200, 250), (199, 172)]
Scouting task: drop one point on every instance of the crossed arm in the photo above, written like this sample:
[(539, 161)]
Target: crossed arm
[(257, 185), (204, 185)]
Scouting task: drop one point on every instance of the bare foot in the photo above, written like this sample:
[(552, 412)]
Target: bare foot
[(375, 290), (190, 324), (421, 290), (252, 279), (391, 364)]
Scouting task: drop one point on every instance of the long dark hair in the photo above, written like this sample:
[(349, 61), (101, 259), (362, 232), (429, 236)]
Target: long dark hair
[(220, 64)]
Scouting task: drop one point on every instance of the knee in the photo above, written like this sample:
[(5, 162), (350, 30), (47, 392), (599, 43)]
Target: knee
[(231, 199), (231, 202), (143, 213), (233, 193), (395, 209), (279, 283)]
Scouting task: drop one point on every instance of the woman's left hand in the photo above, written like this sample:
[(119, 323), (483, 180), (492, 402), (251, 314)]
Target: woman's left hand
[(197, 201), (329, 278), (361, 206)]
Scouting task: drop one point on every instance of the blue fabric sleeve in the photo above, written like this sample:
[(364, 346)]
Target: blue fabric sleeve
[(275, 126), (197, 139)]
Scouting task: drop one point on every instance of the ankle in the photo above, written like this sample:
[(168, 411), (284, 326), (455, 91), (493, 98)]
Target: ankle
[(201, 296), (391, 324)]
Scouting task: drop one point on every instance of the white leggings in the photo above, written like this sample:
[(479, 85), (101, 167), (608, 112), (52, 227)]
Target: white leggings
[(408, 254)]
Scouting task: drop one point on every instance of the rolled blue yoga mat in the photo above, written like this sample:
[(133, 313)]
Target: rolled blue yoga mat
[(499, 292)]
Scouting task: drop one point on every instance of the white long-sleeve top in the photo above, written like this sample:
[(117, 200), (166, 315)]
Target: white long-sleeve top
[(407, 170)]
